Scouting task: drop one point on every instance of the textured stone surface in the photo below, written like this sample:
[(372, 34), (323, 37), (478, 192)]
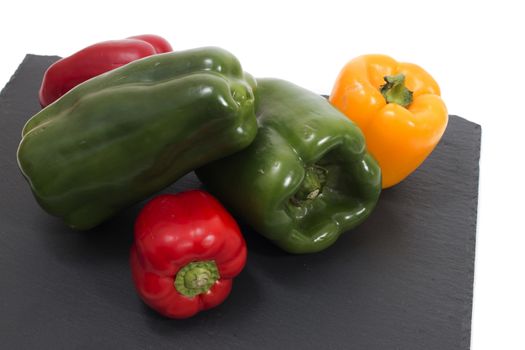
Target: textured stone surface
[(402, 280)]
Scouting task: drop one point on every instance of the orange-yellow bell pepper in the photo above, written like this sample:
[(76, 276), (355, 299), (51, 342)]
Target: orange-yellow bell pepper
[(397, 106)]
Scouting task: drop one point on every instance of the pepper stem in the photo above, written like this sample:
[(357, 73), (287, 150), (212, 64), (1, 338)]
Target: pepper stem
[(196, 278), (312, 184), (395, 91)]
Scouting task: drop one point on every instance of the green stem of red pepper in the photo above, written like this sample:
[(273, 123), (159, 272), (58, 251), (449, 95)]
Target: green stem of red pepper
[(196, 278)]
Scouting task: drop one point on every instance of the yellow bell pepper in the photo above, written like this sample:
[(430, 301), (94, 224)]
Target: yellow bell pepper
[(397, 106)]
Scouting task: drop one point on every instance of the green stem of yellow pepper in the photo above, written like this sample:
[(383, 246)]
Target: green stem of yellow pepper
[(395, 91)]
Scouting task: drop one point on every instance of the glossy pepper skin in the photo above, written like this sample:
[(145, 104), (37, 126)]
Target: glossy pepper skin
[(187, 251), (305, 179), (68, 72), (397, 106), (122, 136)]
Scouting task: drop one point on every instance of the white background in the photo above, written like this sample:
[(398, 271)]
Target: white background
[(475, 50)]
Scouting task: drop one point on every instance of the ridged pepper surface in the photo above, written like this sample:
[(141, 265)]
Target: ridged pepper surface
[(305, 179), (186, 253), (120, 137)]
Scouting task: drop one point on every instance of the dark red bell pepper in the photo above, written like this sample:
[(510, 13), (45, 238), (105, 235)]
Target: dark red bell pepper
[(186, 252), (68, 72)]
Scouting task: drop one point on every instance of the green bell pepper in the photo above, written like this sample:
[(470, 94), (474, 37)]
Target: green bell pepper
[(305, 179), (120, 137)]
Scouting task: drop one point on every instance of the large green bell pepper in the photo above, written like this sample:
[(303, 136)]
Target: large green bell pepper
[(121, 136), (305, 179)]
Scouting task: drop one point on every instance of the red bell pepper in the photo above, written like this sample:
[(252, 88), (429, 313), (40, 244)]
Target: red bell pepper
[(68, 72), (186, 252), (160, 44)]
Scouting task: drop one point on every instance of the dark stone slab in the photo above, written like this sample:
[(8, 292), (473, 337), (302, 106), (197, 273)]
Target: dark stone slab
[(402, 280)]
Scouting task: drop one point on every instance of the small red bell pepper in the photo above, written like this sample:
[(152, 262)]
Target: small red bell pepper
[(68, 72), (186, 252)]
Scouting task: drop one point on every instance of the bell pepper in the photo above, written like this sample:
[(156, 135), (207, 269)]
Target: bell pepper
[(160, 44), (307, 176), (397, 106), (68, 72), (186, 252), (124, 135)]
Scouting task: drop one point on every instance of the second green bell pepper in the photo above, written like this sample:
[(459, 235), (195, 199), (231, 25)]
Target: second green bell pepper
[(121, 136), (305, 179)]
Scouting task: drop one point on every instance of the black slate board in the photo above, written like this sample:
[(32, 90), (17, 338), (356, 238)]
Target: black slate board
[(402, 280)]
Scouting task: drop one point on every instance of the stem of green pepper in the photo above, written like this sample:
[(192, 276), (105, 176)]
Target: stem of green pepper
[(395, 91), (312, 184), (196, 278)]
